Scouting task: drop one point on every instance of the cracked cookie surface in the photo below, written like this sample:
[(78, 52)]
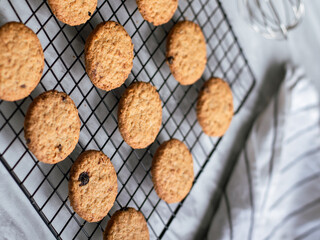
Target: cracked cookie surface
[(73, 12), (126, 224), (186, 52), (157, 12), (140, 114), (215, 107), (108, 55), (21, 61), (52, 126), (172, 171)]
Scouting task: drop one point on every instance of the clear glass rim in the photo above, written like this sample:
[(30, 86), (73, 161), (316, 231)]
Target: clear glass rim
[(279, 33)]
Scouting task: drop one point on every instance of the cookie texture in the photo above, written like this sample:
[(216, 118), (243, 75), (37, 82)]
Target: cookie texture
[(157, 12), (127, 224), (108, 55), (92, 185), (215, 107), (186, 52), (140, 114), (172, 171), (21, 61), (73, 12), (52, 126)]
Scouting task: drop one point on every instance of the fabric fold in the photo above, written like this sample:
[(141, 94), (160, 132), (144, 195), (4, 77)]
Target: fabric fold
[(274, 191)]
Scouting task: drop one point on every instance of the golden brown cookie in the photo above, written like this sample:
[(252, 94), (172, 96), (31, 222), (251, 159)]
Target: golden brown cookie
[(215, 107), (21, 61), (92, 185), (172, 171), (157, 12), (52, 126), (126, 224), (73, 12), (108, 55), (186, 52), (140, 114)]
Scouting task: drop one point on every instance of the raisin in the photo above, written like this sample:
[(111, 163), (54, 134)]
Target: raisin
[(28, 140), (64, 99), (94, 73), (170, 60), (83, 178), (100, 160), (89, 13), (59, 147), (23, 86)]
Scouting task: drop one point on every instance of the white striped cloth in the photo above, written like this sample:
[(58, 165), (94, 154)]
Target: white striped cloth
[(274, 189)]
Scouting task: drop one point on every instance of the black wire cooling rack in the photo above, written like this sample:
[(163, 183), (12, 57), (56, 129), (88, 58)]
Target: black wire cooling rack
[(46, 186)]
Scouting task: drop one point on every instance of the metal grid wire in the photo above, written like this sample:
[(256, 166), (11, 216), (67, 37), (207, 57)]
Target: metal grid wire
[(46, 186)]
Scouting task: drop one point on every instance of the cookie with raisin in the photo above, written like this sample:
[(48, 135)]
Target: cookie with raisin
[(92, 185), (52, 126)]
